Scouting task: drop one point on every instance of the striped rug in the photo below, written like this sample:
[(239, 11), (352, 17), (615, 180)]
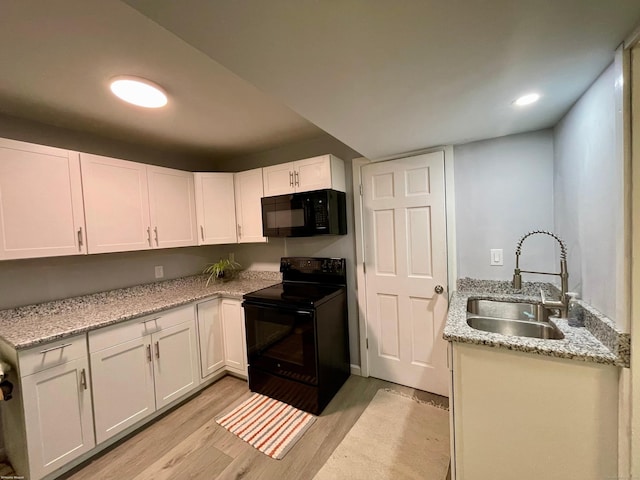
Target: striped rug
[(269, 425)]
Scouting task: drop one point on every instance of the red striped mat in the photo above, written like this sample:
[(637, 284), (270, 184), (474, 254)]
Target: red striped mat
[(269, 425)]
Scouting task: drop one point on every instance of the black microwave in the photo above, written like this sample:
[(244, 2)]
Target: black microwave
[(305, 214)]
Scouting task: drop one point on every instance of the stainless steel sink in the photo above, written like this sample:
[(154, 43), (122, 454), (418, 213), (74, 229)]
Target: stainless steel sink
[(511, 310), (518, 328), (512, 318)]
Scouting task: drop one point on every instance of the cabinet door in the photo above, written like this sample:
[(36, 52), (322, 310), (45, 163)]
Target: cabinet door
[(171, 207), (313, 173), (211, 341), (278, 179), (116, 204), (123, 391), (58, 419), (175, 362), (249, 191), (215, 207), (41, 209), (235, 343)]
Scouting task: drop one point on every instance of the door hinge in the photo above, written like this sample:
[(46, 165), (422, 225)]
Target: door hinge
[(360, 189)]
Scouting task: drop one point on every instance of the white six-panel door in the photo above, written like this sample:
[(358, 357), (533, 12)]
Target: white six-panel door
[(406, 260)]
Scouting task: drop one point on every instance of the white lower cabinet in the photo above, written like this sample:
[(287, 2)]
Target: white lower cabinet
[(142, 366), (211, 341), (233, 330), (222, 337), (531, 417), (123, 390), (55, 394)]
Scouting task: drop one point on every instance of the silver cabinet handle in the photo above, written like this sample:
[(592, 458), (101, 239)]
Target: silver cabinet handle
[(149, 352), (80, 239), (83, 378), (56, 348), (155, 231), (149, 236), (297, 175), (157, 350), (291, 179), (239, 231), (202, 232)]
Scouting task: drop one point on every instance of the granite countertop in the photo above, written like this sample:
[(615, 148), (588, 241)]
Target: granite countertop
[(27, 326), (598, 341)]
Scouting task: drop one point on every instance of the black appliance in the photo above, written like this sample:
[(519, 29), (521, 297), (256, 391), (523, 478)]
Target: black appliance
[(320, 212), (297, 333)]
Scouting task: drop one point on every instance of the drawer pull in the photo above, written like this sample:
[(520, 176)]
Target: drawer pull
[(83, 378), (56, 348)]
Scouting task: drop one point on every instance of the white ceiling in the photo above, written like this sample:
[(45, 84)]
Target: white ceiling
[(383, 76)]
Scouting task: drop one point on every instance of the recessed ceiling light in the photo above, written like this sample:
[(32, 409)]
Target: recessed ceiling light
[(527, 99), (138, 91)]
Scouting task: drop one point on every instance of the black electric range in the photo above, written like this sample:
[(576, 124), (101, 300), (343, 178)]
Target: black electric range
[(297, 333)]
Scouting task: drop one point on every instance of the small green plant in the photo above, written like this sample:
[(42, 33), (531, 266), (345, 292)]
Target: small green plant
[(222, 269)]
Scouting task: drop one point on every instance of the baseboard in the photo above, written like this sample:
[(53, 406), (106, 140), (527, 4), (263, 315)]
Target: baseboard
[(355, 370)]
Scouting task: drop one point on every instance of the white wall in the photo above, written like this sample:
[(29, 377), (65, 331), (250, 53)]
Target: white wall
[(589, 207), (25, 282), (504, 189)]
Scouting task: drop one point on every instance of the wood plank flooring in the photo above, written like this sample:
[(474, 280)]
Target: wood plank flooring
[(187, 443)]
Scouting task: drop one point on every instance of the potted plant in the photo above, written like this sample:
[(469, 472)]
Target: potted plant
[(224, 269)]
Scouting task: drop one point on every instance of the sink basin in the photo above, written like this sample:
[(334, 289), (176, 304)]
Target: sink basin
[(518, 328), (510, 310)]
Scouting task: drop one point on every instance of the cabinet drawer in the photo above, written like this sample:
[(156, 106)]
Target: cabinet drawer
[(51, 354), (126, 331)]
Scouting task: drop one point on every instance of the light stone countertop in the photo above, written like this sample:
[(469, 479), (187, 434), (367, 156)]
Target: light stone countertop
[(598, 341), (31, 325)]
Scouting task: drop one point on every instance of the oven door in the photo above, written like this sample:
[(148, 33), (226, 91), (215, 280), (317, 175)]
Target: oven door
[(281, 341)]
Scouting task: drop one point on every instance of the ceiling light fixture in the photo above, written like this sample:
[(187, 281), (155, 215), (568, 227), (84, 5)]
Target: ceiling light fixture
[(527, 99), (138, 91)]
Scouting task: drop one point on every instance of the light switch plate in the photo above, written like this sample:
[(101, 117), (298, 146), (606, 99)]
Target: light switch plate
[(496, 257)]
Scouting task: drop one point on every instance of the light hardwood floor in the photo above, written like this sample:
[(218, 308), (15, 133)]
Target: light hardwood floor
[(187, 443)]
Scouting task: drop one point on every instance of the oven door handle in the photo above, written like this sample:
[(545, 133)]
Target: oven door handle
[(278, 308)]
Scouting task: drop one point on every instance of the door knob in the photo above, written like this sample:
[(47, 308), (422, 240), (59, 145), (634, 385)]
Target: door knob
[(439, 289)]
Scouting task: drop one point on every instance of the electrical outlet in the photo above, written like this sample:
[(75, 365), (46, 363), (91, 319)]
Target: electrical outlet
[(159, 271), (496, 257)]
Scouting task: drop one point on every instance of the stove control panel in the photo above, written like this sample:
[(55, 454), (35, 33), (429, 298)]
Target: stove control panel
[(301, 266)]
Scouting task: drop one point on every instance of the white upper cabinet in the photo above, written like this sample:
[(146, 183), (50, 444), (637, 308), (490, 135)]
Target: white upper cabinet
[(215, 208), (249, 191), (325, 171), (41, 210), (133, 206), (172, 207), (116, 201)]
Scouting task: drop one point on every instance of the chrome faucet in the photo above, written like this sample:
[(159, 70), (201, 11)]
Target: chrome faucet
[(563, 304)]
